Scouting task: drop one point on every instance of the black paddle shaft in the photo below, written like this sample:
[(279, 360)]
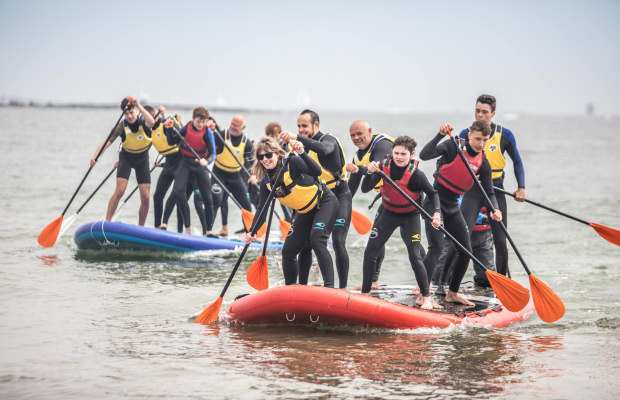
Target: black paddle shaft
[(430, 218), (490, 205)]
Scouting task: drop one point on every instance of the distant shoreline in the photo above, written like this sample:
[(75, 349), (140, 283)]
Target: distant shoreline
[(35, 104)]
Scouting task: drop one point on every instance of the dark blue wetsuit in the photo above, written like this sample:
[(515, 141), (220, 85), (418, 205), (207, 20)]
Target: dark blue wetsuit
[(453, 220), (473, 199), (310, 226)]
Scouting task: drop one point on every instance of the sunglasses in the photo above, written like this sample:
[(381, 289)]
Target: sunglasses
[(266, 155)]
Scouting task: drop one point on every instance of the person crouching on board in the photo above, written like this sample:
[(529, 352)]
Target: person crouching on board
[(399, 212)]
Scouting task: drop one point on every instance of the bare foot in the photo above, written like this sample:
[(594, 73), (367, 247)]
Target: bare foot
[(188, 230), (374, 286), (424, 303), (436, 306), (455, 297), (162, 227), (222, 233)]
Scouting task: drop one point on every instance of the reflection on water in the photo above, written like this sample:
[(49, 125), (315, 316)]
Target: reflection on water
[(469, 361), (48, 261)]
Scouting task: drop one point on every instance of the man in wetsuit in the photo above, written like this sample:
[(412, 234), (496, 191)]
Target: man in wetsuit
[(501, 141), (327, 151), (228, 170), (371, 147), (135, 133), (453, 179)]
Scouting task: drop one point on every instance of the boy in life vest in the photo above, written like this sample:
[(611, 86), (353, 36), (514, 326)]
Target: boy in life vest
[(135, 133), (399, 212), (452, 179)]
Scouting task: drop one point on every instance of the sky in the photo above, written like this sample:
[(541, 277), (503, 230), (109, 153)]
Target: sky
[(542, 57)]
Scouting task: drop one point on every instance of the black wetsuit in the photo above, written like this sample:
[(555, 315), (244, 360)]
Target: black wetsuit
[(409, 223), (453, 219), (313, 226), (128, 161), (328, 151)]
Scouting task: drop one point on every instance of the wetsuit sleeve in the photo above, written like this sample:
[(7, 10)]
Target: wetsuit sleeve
[(370, 181), (432, 149), (327, 146), (118, 131), (171, 137), (354, 181), (382, 149), (419, 182), (263, 196), (486, 180), (148, 131), (219, 144), (509, 144), (210, 141), (308, 166), (248, 155)]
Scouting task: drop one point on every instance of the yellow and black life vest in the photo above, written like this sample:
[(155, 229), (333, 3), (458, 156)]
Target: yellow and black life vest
[(493, 151), (136, 142), (331, 178), (366, 158), (295, 196), (158, 136), (225, 160)]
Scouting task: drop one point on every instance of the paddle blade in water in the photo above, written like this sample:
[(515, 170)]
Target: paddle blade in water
[(548, 304), (512, 295), (361, 223), (210, 313), (610, 234), (248, 217), (67, 224), (258, 274), (49, 234), (285, 226)]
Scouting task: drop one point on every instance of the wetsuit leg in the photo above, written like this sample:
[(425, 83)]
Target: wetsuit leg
[(341, 229), (163, 184), (203, 180), (455, 225), (482, 249), (322, 225), (434, 238), (304, 260), (382, 229), (380, 256), (499, 237), (181, 178), (410, 232)]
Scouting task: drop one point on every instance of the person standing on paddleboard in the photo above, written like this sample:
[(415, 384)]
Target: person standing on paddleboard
[(301, 189), (327, 151), (452, 179), (399, 212), (135, 133)]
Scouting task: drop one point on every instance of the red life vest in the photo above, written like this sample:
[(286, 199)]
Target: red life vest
[(196, 140), (392, 199), (454, 175)]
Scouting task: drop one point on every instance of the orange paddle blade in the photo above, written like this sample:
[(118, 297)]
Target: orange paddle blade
[(262, 230), (512, 295), (285, 226), (548, 305), (361, 223), (49, 234), (258, 274), (248, 217), (210, 313), (610, 234)]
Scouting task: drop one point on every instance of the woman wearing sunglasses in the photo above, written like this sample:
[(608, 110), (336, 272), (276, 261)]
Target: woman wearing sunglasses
[(300, 189)]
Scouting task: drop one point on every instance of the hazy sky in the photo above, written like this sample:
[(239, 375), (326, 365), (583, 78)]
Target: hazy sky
[(424, 56)]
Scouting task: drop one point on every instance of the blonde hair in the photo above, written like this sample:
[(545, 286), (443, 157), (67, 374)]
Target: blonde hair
[(267, 145)]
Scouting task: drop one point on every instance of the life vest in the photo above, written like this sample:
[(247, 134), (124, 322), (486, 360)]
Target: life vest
[(480, 224), (493, 151), (331, 178), (161, 142), (225, 160), (196, 141), (454, 175), (136, 142), (365, 160), (295, 196), (392, 199)]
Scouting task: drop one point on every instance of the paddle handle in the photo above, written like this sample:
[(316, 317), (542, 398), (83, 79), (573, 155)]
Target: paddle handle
[(489, 204), (430, 218)]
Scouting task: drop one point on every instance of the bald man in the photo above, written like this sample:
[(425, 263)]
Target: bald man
[(371, 147), (228, 170)]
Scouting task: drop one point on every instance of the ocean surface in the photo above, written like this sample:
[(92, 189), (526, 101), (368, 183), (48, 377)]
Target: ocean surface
[(79, 325)]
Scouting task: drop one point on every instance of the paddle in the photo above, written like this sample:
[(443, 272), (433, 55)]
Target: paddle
[(610, 234), (258, 273), (211, 313), (512, 295), (135, 189), (49, 234), (361, 222), (69, 221), (285, 226), (246, 215), (548, 304)]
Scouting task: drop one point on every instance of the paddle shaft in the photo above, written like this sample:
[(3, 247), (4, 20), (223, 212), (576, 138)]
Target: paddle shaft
[(254, 228), (430, 218), (489, 204), (96, 158), (219, 135), (545, 207), (217, 180), (273, 204), (96, 190)]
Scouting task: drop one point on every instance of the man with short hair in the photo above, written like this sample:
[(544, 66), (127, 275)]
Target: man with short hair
[(501, 141)]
